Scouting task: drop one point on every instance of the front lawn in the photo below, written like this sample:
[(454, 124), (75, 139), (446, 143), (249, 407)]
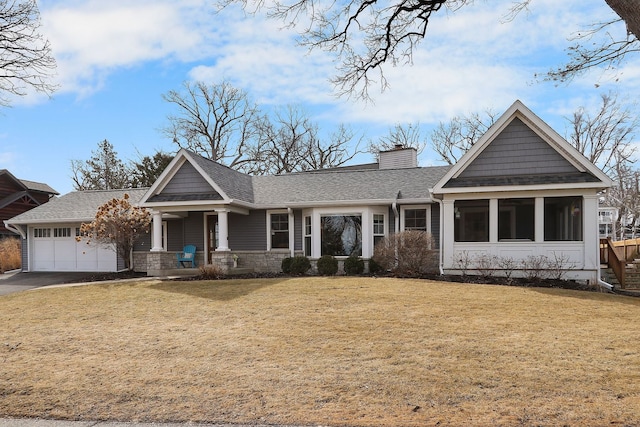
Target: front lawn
[(321, 351)]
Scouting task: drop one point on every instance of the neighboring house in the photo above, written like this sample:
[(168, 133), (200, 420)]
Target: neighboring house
[(607, 217), (520, 191), (18, 196)]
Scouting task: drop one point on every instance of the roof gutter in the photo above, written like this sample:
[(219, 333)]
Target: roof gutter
[(15, 229)]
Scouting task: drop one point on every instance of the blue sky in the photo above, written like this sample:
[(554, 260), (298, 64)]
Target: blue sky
[(117, 58)]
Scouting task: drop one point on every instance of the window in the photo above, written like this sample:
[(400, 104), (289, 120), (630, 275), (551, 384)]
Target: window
[(378, 228), (307, 236), (41, 232), (341, 235), (279, 231), (563, 219), (62, 232), (415, 219), (471, 221), (516, 219)]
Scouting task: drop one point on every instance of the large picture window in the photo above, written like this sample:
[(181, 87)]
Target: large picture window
[(516, 219), (279, 231), (563, 219), (471, 221), (341, 235)]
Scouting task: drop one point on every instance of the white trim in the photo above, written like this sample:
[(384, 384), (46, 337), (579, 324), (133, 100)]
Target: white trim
[(544, 131), (404, 207), (289, 228)]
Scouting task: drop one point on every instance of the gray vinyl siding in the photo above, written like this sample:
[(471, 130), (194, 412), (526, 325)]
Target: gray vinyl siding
[(175, 240), (248, 232), (518, 150), (187, 180), (120, 263), (24, 251), (186, 231), (435, 223), (193, 231)]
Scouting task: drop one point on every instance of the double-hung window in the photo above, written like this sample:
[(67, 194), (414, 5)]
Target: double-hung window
[(279, 230), (378, 228)]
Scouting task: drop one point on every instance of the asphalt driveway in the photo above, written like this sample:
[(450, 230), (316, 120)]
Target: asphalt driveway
[(21, 281)]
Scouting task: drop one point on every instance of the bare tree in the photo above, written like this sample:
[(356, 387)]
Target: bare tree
[(605, 138), (405, 135), (290, 142), (451, 140), (364, 35), (215, 121), (103, 171), (26, 60)]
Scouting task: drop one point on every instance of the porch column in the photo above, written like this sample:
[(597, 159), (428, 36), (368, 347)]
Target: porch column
[(223, 230), (157, 231)]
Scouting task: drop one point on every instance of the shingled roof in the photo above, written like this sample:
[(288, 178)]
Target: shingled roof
[(77, 206), (348, 185)]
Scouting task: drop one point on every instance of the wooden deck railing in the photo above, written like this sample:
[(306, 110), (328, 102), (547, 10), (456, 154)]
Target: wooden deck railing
[(616, 255)]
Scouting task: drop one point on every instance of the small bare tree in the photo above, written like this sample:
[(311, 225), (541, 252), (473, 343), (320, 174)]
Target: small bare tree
[(606, 137), (451, 140), (26, 60), (406, 135), (117, 223)]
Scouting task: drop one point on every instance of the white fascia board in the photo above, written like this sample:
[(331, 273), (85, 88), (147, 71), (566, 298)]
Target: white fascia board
[(180, 159), (546, 132), (326, 203), (510, 189), (50, 221)]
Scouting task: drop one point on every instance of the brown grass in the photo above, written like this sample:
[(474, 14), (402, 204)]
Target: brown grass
[(329, 351), (10, 258)]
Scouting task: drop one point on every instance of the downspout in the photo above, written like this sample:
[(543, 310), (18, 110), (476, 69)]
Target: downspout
[(441, 234)]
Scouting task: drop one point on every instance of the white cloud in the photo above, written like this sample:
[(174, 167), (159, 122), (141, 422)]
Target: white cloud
[(91, 39)]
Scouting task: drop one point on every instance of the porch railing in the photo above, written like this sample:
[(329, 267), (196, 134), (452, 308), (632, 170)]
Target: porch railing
[(616, 254)]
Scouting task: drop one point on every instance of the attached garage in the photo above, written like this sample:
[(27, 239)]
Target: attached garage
[(54, 248), (49, 233)]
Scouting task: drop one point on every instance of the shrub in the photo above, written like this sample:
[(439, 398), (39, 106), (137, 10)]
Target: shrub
[(286, 265), (407, 254), (327, 265), (10, 256), (354, 265), (374, 267), (534, 267), (299, 265), (211, 272)]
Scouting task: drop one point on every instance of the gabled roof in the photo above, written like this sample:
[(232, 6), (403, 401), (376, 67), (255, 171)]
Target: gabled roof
[(28, 185), (221, 182), (354, 184), (77, 206), (559, 164)]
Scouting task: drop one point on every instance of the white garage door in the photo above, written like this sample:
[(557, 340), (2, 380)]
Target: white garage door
[(56, 249)]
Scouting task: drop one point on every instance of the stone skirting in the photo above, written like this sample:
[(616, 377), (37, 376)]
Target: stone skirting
[(258, 261)]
